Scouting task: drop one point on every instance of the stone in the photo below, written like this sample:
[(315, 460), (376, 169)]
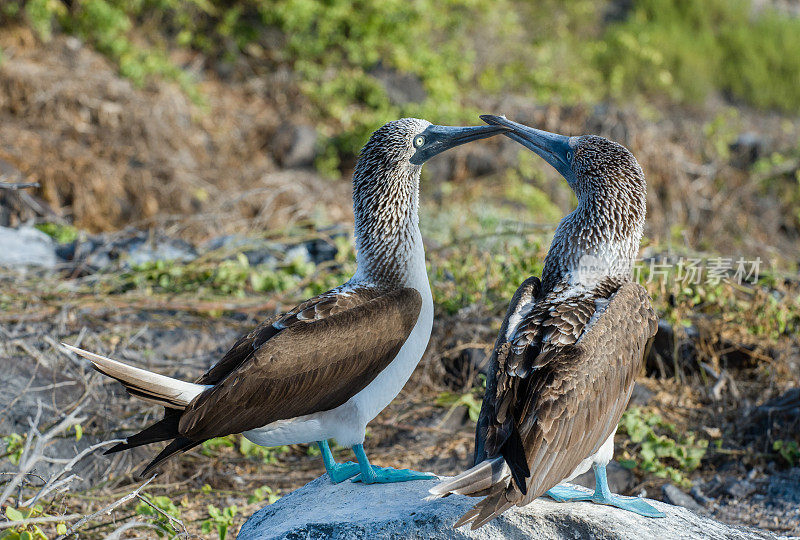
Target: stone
[(295, 146), (350, 510), (26, 246), (677, 497), (739, 489), (401, 88)]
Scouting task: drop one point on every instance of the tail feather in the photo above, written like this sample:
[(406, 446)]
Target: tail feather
[(474, 481), (163, 430), (514, 453), (146, 385), (181, 444), (488, 509)]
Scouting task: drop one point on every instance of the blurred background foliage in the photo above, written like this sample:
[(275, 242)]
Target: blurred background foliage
[(676, 51)]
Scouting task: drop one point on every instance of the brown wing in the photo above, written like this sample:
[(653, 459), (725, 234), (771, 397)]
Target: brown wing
[(524, 295), (311, 365), (552, 322), (576, 397), (313, 309), (570, 402)]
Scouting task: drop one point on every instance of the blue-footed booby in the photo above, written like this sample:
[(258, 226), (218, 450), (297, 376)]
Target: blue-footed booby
[(563, 366), (327, 367)]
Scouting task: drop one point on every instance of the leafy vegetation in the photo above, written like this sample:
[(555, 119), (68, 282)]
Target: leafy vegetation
[(63, 234), (656, 446), (685, 50), (15, 444), (220, 520), (154, 509), (452, 400), (351, 57), (788, 450), (244, 447)]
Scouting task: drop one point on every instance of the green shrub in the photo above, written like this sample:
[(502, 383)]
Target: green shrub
[(685, 49)]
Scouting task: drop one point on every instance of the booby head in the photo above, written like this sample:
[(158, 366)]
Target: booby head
[(386, 189), (590, 164), (605, 230)]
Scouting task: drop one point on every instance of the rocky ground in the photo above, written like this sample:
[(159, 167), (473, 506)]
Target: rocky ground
[(58, 299)]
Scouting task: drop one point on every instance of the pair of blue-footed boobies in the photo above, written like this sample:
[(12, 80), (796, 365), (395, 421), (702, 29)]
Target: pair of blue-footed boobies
[(561, 372)]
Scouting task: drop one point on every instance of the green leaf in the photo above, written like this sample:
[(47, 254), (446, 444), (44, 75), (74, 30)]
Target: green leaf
[(13, 514)]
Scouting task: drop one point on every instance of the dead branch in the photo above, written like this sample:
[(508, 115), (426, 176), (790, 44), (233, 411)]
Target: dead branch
[(34, 521), (34, 453), (18, 185), (106, 509), (54, 482)]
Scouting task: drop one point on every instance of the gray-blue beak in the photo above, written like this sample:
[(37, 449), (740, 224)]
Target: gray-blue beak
[(436, 139), (553, 148)]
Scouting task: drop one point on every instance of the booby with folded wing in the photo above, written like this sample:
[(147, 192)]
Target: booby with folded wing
[(324, 369), (563, 366)]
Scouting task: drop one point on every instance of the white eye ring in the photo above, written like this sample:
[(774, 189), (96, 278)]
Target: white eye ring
[(569, 156), (419, 140)]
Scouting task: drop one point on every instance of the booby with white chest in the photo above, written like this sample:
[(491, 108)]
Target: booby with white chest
[(326, 368), (563, 366)]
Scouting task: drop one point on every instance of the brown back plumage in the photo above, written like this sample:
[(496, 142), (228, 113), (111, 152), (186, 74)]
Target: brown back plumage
[(546, 391)]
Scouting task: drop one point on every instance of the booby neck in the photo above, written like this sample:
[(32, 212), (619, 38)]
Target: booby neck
[(600, 238), (386, 207)]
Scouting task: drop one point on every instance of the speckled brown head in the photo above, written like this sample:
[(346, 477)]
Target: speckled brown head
[(386, 190), (611, 189)]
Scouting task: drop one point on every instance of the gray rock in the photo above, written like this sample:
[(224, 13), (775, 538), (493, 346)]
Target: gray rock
[(26, 246), (257, 250), (739, 489), (679, 498), (295, 146), (640, 396), (321, 509)]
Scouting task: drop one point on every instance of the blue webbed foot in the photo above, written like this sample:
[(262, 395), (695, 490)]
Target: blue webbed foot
[(602, 495), (342, 471), (337, 472), (386, 475), (568, 493), (637, 505), (383, 475)]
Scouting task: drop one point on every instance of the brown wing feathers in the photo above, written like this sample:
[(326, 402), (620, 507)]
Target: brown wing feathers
[(560, 418), (277, 370)]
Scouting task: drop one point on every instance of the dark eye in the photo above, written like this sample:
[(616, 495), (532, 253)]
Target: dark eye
[(569, 156), (419, 140)]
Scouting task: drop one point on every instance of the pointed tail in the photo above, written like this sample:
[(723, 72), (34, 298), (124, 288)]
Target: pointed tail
[(489, 478), (145, 385), (475, 481)]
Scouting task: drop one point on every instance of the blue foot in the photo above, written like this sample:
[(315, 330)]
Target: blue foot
[(386, 475), (637, 505), (568, 493), (337, 472), (383, 475), (602, 495)]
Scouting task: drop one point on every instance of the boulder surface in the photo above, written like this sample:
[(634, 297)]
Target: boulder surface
[(322, 510)]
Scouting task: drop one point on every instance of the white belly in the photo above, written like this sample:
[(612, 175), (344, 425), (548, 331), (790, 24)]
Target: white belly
[(602, 457), (347, 423)]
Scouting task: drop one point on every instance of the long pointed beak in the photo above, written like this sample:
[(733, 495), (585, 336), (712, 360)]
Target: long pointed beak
[(552, 147), (437, 139)]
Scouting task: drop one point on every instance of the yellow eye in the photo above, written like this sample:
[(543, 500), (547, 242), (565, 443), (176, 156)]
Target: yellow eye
[(419, 140)]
